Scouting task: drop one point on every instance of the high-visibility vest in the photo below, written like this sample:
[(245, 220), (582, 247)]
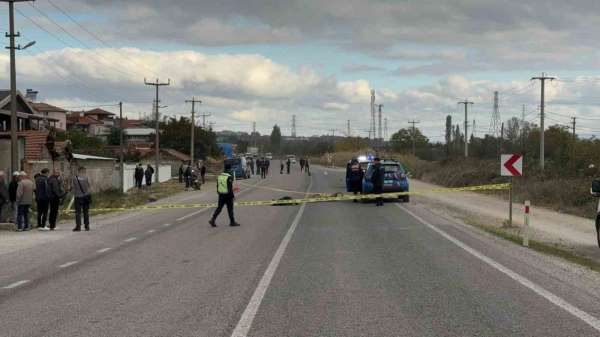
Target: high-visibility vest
[(222, 183)]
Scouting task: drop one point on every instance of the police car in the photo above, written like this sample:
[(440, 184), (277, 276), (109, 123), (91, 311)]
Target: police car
[(395, 179)]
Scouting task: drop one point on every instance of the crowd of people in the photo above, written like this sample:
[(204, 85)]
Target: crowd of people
[(192, 177), (47, 191), (139, 174)]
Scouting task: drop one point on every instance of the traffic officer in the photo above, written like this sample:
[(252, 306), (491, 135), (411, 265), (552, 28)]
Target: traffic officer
[(377, 180), (226, 196)]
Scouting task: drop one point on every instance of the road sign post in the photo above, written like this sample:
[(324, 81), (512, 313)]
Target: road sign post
[(511, 165), (526, 224)]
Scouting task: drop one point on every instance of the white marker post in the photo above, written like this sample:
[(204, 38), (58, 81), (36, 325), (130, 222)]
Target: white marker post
[(526, 224), (511, 165)]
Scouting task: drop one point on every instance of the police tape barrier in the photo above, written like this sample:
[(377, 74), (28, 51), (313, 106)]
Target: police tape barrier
[(322, 198)]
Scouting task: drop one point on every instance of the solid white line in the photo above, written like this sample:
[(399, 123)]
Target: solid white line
[(103, 250), (151, 231), (130, 239), (68, 264), (582, 315), (245, 323), (16, 284)]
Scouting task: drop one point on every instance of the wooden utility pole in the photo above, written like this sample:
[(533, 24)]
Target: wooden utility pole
[(121, 152), (542, 79), (193, 134), (14, 141), (157, 85), (574, 124)]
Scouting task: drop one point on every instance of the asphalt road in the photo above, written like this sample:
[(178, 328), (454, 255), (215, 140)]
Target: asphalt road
[(329, 269)]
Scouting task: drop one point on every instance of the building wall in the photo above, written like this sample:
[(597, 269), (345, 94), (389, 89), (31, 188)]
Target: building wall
[(99, 172), (62, 119), (129, 170)]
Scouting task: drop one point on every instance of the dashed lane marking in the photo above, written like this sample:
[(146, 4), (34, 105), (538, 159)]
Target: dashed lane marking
[(130, 239), (151, 231), (167, 225), (192, 214), (556, 300), (103, 250), (16, 284), (68, 264)]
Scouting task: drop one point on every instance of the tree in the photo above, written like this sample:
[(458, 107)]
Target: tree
[(176, 134), (276, 139), (114, 137), (403, 139)]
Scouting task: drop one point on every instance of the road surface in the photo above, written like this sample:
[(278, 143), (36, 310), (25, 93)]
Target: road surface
[(328, 269)]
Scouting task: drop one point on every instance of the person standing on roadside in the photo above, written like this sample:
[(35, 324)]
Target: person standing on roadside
[(83, 199), (355, 178), (56, 192), (138, 176), (307, 166), (377, 180), (281, 166), (288, 164), (203, 172), (226, 197), (24, 200), (181, 172), (41, 198), (4, 198), (301, 165), (148, 174), (251, 162), (188, 176), (12, 194)]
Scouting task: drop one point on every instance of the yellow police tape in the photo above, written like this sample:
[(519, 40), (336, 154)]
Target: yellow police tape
[(322, 198)]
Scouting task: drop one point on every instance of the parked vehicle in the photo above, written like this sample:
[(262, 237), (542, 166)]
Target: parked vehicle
[(291, 157), (395, 179), (239, 167), (269, 156)]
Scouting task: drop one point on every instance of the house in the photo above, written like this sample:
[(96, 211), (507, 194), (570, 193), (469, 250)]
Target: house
[(87, 124), (107, 120), (168, 157), (130, 123), (32, 130), (139, 136), (48, 112)]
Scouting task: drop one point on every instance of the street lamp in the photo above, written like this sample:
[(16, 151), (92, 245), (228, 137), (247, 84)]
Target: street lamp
[(26, 46)]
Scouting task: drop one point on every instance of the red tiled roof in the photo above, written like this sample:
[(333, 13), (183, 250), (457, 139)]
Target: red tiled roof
[(98, 111), (45, 107), (130, 123), (82, 120)]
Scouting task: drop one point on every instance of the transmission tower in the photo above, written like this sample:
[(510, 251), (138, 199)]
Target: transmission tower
[(496, 120), (385, 129), (293, 126)]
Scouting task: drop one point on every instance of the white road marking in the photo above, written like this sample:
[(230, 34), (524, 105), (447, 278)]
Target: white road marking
[(17, 284), (245, 323), (167, 225), (151, 231), (130, 239), (556, 300), (68, 264), (325, 173), (192, 214), (103, 250)]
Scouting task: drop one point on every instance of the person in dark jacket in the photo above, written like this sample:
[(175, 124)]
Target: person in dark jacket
[(181, 172), (55, 193), (288, 164), (148, 174), (226, 196), (203, 172), (12, 194), (355, 178), (307, 166), (138, 176), (188, 176), (41, 199), (377, 180), (4, 199)]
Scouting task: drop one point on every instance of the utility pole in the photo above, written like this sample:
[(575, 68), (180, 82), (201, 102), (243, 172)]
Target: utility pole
[(121, 152), (380, 133), (348, 127), (293, 126), (157, 85), (372, 127), (466, 103), (574, 123), (414, 136), (542, 79), (14, 140), (254, 132), (501, 137), (193, 136), (385, 129), (204, 115), (332, 133)]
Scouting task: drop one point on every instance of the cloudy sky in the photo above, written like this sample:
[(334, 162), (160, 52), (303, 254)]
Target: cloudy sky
[(266, 60)]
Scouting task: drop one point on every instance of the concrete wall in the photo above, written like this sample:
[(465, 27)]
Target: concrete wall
[(129, 170), (100, 172)]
